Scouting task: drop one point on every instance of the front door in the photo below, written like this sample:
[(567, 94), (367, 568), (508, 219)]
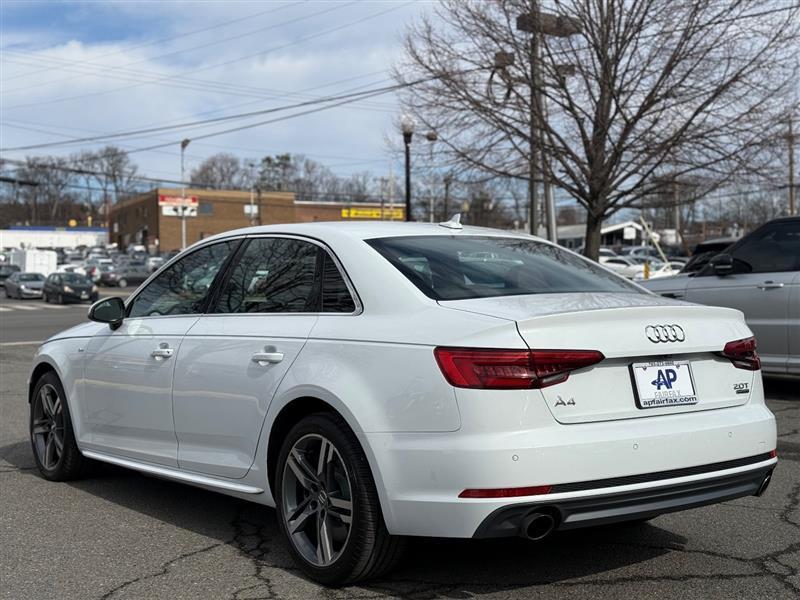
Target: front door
[(128, 373), (235, 357)]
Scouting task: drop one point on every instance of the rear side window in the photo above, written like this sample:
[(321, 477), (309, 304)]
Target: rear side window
[(463, 267), (284, 275), (774, 249), (335, 294), (272, 275)]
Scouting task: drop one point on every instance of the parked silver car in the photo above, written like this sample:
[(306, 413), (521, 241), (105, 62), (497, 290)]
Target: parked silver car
[(759, 275)]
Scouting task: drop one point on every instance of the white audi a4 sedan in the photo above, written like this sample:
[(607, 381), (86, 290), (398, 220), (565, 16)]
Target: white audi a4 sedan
[(373, 381)]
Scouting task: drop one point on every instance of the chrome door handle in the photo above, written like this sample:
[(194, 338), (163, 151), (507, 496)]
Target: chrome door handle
[(265, 358), (770, 285), (162, 352)]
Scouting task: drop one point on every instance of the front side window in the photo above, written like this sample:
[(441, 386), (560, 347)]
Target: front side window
[(181, 289), (461, 267), (284, 275)]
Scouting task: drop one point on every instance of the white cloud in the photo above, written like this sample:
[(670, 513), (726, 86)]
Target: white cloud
[(115, 99)]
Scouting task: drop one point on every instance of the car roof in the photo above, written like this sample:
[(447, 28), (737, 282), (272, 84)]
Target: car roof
[(364, 230)]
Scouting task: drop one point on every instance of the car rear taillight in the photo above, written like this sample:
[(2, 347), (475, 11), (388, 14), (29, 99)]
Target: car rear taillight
[(489, 369), (742, 354)]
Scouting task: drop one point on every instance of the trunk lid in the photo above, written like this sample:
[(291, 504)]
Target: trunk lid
[(618, 326)]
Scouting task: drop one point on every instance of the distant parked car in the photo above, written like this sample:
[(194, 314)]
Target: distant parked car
[(69, 287), (153, 263), (123, 276), (6, 271), (24, 285), (759, 275), (622, 265), (70, 268)]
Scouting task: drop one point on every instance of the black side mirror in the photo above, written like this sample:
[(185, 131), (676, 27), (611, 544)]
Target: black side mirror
[(722, 264), (108, 310)]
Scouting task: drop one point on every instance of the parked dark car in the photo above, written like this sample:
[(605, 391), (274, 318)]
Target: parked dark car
[(6, 271), (69, 287), (24, 285), (125, 275)]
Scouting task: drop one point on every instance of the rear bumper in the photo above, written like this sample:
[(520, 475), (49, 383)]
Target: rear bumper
[(77, 297), (606, 508), (420, 475)]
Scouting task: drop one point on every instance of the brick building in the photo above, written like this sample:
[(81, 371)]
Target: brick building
[(150, 219)]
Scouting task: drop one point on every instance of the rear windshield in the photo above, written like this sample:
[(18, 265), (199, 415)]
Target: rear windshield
[(462, 267)]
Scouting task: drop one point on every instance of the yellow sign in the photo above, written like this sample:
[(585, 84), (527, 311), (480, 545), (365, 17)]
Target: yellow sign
[(72, 223), (372, 213)]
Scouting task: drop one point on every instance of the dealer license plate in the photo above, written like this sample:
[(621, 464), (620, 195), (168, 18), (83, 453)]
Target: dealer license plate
[(663, 383)]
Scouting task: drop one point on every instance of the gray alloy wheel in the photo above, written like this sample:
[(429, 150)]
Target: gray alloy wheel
[(317, 500), (48, 427), (123, 283)]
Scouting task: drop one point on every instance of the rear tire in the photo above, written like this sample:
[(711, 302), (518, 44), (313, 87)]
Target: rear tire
[(123, 283), (52, 438), (322, 481)]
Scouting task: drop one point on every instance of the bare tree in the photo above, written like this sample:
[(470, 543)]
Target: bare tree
[(53, 179), (656, 88), (219, 171)]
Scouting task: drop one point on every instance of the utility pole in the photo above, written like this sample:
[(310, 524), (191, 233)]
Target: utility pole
[(792, 186), (431, 136), (448, 179), (391, 191), (185, 142), (539, 24)]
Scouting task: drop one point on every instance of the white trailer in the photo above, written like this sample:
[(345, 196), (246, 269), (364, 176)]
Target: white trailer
[(34, 261)]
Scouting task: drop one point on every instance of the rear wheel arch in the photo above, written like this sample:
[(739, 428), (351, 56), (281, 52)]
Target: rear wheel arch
[(287, 418)]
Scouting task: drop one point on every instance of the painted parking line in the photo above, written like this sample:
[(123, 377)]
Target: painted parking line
[(21, 307)]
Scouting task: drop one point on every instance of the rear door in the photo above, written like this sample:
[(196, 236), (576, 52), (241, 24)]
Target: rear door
[(766, 265), (235, 357)]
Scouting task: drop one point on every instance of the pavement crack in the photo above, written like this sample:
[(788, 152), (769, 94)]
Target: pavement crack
[(163, 570)]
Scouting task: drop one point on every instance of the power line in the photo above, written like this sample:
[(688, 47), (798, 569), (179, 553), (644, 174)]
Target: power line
[(337, 100), (159, 80)]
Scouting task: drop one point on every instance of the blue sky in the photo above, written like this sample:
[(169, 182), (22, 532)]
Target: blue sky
[(77, 69)]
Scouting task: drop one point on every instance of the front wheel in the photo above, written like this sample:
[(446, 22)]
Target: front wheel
[(328, 506), (52, 438), (123, 283)]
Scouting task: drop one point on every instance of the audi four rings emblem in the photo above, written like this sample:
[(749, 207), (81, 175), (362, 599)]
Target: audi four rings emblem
[(664, 333)]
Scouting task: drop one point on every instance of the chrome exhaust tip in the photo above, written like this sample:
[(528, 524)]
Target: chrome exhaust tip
[(537, 525), (764, 484)]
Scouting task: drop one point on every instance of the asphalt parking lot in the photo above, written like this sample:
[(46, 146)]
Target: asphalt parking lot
[(118, 534)]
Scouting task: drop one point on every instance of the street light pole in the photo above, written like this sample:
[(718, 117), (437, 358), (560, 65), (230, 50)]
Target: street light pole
[(184, 142), (431, 136), (407, 126)]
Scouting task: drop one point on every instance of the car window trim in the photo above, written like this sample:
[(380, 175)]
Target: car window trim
[(359, 307), (132, 298)]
